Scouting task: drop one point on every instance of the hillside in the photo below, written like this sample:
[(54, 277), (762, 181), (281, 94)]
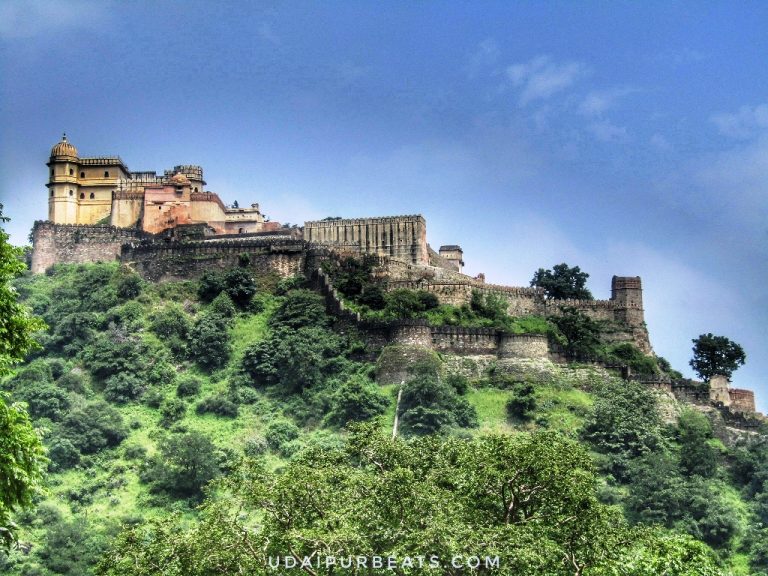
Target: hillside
[(244, 394)]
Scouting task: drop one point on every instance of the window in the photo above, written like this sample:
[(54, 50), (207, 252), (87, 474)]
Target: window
[(195, 188), (51, 171), (106, 173), (51, 193), (71, 172), (71, 193), (241, 231), (82, 195), (92, 196), (179, 190), (82, 174)]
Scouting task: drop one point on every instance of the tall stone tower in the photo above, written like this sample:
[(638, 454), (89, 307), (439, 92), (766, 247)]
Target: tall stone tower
[(63, 187), (627, 292)]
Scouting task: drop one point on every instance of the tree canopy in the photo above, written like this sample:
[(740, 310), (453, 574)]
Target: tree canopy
[(22, 457), (562, 282), (714, 355)]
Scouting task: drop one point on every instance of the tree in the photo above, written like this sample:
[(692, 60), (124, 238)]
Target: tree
[(716, 355), (562, 283), (22, 457), (528, 499), (185, 464), (581, 333)]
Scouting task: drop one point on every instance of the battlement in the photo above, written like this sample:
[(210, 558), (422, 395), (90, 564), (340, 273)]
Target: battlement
[(103, 161)]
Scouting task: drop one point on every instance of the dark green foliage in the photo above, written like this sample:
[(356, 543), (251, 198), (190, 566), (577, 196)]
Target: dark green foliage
[(218, 404), (209, 342), (403, 303), (94, 427), (185, 463), (562, 282), (285, 285), (62, 453), (522, 401), (173, 326), (458, 382), (697, 456), (372, 296), (352, 276), (128, 285), (172, 410), (240, 286), (210, 285), (666, 367), (294, 360), (280, 434), (714, 355), (223, 306), (73, 332), (581, 334), (188, 386), (255, 446), (73, 381), (658, 491), (430, 405), (44, 400), (624, 424), (300, 308), (123, 387), (71, 548), (357, 399), (629, 355), (490, 306), (153, 397)]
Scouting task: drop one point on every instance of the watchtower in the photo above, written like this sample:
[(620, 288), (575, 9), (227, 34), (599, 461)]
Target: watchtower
[(627, 293), (63, 187)]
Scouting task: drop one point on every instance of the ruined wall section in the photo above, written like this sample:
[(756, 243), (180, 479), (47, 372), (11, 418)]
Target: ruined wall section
[(163, 261), (77, 243), (401, 237)]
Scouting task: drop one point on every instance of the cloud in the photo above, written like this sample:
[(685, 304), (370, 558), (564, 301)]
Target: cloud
[(744, 124), (606, 131), (485, 57), (597, 102), (541, 78), (20, 19)]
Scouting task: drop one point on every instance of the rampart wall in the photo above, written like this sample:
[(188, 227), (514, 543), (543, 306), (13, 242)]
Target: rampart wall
[(77, 244), (162, 261)]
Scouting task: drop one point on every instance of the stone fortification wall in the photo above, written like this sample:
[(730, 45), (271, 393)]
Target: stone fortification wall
[(77, 243), (162, 261), (465, 341), (402, 237), (742, 400), (523, 346)]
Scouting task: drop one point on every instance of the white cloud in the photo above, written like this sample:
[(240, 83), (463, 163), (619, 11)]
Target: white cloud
[(30, 18), (744, 124), (597, 102), (541, 78), (606, 131)]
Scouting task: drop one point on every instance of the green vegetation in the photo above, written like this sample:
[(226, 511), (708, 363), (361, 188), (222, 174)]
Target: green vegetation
[(716, 355), (562, 283), (242, 393)]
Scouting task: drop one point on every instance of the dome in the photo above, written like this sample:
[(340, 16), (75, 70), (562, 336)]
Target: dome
[(64, 148), (179, 179)]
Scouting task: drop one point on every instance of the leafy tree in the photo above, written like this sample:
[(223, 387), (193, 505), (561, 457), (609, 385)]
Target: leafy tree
[(172, 410), (562, 283), (581, 333), (210, 341), (430, 404), (404, 303), (280, 434), (300, 308), (528, 499), (94, 427), (185, 463), (240, 286), (210, 285), (218, 404), (22, 457), (624, 424), (357, 399), (697, 456), (188, 385), (129, 285), (522, 403), (714, 355)]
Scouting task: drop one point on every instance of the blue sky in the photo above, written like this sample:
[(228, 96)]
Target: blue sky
[(627, 138)]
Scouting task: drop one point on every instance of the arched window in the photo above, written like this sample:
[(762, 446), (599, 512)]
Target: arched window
[(82, 195), (195, 188), (71, 172), (71, 193), (92, 196), (82, 174), (51, 193), (241, 231), (106, 173)]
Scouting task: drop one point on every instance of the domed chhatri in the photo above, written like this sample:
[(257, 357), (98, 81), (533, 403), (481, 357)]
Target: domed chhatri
[(64, 148)]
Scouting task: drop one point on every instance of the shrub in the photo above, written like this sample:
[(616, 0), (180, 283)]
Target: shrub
[(188, 386), (153, 397), (255, 446), (223, 306), (211, 284), (239, 284), (210, 342), (123, 387), (279, 434), (129, 285), (357, 399), (185, 463), (172, 410), (522, 402), (73, 381), (219, 405), (63, 454), (93, 427)]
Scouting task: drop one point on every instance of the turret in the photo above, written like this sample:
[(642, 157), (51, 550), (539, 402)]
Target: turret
[(454, 255), (627, 292), (63, 187)]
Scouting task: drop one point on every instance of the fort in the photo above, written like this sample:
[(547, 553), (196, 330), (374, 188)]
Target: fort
[(171, 227)]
